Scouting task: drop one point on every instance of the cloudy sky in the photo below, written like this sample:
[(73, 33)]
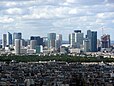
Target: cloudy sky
[(39, 17)]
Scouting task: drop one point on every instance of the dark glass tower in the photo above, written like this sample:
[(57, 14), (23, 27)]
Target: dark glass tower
[(17, 36), (38, 39), (92, 37), (9, 38)]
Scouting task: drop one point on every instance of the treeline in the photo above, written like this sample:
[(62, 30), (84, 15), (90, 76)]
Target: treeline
[(35, 58)]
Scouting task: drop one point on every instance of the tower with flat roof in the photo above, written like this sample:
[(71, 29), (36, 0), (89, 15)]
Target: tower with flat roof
[(92, 37), (4, 40), (51, 40), (17, 46)]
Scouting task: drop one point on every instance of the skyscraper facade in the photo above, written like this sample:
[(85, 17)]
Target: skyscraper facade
[(92, 37), (51, 40), (58, 41), (38, 39), (76, 39), (79, 39), (16, 36), (17, 46), (33, 44), (4, 40), (86, 45), (45, 42), (105, 41), (9, 38), (72, 40), (59, 37)]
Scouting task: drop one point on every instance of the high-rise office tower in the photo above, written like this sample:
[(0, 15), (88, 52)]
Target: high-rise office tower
[(59, 37), (69, 37), (23, 42), (86, 45), (33, 44), (58, 41), (16, 36), (98, 43), (72, 39), (4, 40), (17, 46), (92, 37), (9, 38), (79, 37), (105, 41), (38, 39), (51, 40), (45, 42), (76, 39)]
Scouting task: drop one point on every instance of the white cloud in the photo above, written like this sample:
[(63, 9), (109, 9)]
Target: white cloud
[(61, 14), (14, 11), (84, 18), (73, 11), (70, 1), (47, 12), (100, 15), (6, 20), (105, 15), (112, 21), (10, 4)]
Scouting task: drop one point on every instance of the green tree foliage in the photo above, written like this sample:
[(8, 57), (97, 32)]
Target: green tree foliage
[(35, 58)]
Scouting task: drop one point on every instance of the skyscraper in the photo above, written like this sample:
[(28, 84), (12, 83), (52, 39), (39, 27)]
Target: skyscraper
[(72, 40), (9, 38), (58, 41), (105, 41), (59, 37), (16, 36), (38, 39), (33, 44), (86, 45), (69, 37), (79, 37), (92, 37), (51, 40), (4, 40), (17, 46), (76, 39), (45, 42)]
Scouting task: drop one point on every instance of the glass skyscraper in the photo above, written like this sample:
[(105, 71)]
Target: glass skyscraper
[(38, 39), (76, 39), (51, 40), (9, 38), (92, 37), (4, 40), (16, 36)]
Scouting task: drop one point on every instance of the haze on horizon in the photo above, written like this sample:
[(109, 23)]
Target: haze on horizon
[(39, 17)]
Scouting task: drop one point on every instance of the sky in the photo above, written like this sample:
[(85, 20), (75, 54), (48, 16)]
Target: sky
[(39, 17)]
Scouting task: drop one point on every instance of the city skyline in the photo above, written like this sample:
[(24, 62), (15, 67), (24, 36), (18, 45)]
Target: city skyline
[(39, 17), (14, 34)]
